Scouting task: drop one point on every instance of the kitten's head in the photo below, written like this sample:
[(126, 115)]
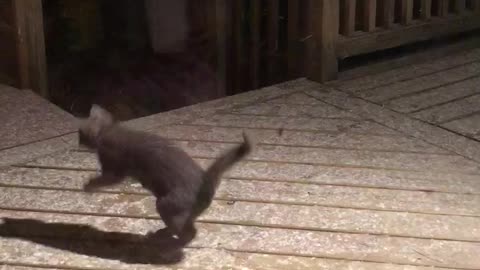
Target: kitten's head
[(91, 127)]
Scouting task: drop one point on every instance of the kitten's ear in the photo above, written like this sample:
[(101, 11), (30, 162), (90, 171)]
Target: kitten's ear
[(97, 113)]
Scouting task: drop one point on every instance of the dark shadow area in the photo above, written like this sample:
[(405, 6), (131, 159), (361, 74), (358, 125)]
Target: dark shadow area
[(87, 240), (134, 58)]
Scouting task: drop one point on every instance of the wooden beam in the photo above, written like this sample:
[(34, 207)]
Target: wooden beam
[(426, 9), (32, 60), (325, 34), (407, 11), (348, 17), (369, 15), (272, 38), (388, 13), (442, 8), (413, 33)]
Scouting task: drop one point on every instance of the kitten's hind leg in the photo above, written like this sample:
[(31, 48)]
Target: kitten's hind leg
[(179, 225)]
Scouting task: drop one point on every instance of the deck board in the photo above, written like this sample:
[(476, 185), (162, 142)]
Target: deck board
[(337, 181)]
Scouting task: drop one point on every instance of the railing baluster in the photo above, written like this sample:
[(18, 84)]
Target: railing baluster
[(306, 32), (388, 13), (476, 6), (426, 12), (460, 6), (293, 37), (348, 17), (442, 8), (256, 27), (370, 15), (407, 11), (272, 38), (240, 78)]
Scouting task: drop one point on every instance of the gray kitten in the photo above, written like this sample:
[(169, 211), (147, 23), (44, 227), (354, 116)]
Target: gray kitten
[(182, 188)]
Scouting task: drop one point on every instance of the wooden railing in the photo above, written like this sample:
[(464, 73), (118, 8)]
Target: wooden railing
[(344, 28), (254, 43)]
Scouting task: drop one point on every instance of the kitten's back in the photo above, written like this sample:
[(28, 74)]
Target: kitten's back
[(152, 159)]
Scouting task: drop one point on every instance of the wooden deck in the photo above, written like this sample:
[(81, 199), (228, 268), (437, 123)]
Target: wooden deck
[(378, 172)]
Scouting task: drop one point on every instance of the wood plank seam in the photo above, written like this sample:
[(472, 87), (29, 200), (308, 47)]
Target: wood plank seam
[(442, 103), (322, 164), (292, 181), (294, 130), (421, 76), (292, 116), (201, 221), (458, 117), (428, 89)]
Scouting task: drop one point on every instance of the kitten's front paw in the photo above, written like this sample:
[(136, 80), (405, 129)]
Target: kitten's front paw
[(161, 233), (88, 188), (93, 184)]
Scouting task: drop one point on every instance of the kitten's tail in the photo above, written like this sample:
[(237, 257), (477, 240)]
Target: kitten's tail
[(213, 174)]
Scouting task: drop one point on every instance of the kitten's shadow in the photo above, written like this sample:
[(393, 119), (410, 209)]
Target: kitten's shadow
[(87, 240)]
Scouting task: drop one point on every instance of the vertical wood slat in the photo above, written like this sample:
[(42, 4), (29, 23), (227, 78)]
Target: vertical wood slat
[(325, 32), (426, 9), (307, 35), (255, 25), (211, 31), (224, 36), (442, 8), (293, 37), (407, 11), (370, 15), (388, 13), (22, 46), (272, 37), (475, 6), (348, 17), (460, 6), (238, 9), (31, 45)]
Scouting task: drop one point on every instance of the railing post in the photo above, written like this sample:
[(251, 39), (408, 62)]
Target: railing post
[(325, 33), (32, 61)]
